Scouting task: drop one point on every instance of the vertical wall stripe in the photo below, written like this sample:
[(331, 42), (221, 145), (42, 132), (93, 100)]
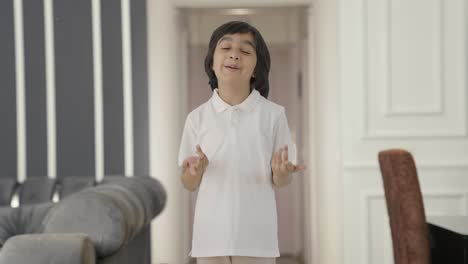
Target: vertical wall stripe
[(20, 94), (8, 135), (50, 88), (112, 87), (74, 88), (127, 86), (98, 101), (140, 87), (35, 88)]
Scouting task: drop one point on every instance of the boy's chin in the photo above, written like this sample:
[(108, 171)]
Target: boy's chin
[(233, 81)]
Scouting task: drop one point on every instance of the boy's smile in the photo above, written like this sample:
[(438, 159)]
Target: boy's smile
[(235, 59), (232, 67)]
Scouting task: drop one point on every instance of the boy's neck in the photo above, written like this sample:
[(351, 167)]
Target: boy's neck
[(233, 95)]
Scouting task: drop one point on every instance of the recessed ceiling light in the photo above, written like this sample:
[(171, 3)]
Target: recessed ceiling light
[(240, 11)]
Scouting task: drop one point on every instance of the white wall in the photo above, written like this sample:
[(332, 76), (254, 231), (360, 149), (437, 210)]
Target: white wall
[(403, 83)]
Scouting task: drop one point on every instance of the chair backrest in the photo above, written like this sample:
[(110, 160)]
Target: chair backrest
[(405, 207)]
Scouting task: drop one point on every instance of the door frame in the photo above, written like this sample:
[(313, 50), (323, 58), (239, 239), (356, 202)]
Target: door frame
[(166, 118)]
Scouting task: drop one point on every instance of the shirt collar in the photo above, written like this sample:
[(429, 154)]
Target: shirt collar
[(248, 104)]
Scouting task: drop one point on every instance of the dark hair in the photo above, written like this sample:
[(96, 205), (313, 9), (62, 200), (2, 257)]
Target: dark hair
[(262, 69)]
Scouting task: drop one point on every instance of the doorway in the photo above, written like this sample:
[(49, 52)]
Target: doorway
[(285, 32)]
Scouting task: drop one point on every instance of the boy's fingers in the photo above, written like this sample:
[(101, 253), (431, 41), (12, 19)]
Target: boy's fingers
[(189, 162), (289, 166), (193, 172), (200, 153), (300, 167), (284, 155), (199, 150), (276, 158), (203, 158)]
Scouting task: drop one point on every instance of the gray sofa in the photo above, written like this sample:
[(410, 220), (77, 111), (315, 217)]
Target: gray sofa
[(104, 223)]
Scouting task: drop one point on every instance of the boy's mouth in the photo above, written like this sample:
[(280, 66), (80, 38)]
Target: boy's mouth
[(232, 67)]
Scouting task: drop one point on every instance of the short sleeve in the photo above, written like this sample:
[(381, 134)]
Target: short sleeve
[(187, 143), (283, 137)]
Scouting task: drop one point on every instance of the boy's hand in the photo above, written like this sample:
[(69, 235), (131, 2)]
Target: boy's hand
[(196, 164), (281, 166)]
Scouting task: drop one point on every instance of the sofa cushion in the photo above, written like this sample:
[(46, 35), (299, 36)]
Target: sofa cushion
[(8, 219), (36, 190), (22, 220)]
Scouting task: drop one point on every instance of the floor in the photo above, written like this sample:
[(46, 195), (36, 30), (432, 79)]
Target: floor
[(283, 260), (286, 261)]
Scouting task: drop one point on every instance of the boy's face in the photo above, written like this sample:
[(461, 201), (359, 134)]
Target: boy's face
[(235, 58)]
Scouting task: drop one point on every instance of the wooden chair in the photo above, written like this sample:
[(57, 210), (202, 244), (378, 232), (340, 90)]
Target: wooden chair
[(405, 207)]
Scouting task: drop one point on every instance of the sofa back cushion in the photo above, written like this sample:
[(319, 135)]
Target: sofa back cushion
[(73, 184), (36, 190), (7, 187)]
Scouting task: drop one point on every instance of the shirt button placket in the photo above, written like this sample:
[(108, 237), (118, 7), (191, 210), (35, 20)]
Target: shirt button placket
[(234, 116)]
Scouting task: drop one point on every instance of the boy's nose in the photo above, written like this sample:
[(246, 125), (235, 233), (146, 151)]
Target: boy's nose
[(234, 56)]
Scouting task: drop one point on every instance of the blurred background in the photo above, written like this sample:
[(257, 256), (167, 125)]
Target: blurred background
[(100, 87)]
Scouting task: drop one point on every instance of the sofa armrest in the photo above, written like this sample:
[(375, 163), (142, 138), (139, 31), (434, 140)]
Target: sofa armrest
[(48, 249), (111, 214)]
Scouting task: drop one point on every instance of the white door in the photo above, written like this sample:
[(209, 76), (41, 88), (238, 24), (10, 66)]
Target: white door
[(403, 85)]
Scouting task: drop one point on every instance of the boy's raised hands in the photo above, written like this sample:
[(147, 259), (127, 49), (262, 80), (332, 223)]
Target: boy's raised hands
[(196, 164), (281, 166)]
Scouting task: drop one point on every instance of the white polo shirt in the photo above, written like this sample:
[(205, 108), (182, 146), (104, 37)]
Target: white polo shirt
[(235, 213)]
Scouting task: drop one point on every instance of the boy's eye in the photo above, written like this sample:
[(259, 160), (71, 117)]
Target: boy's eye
[(246, 52)]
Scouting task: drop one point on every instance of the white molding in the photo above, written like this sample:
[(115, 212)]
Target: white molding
[(282, 32), (127, 88), (325, 145), (365, 66), (311, 215), (392, 134), (98, 91), (365, 224), (387, 243), (20, 91), (370, 133), (366, 199), (369, 165), (436, 109), (50, 88), (372, 195), (165, 127)]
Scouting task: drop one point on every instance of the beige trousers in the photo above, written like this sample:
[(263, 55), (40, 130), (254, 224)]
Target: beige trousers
[(236, 260)]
